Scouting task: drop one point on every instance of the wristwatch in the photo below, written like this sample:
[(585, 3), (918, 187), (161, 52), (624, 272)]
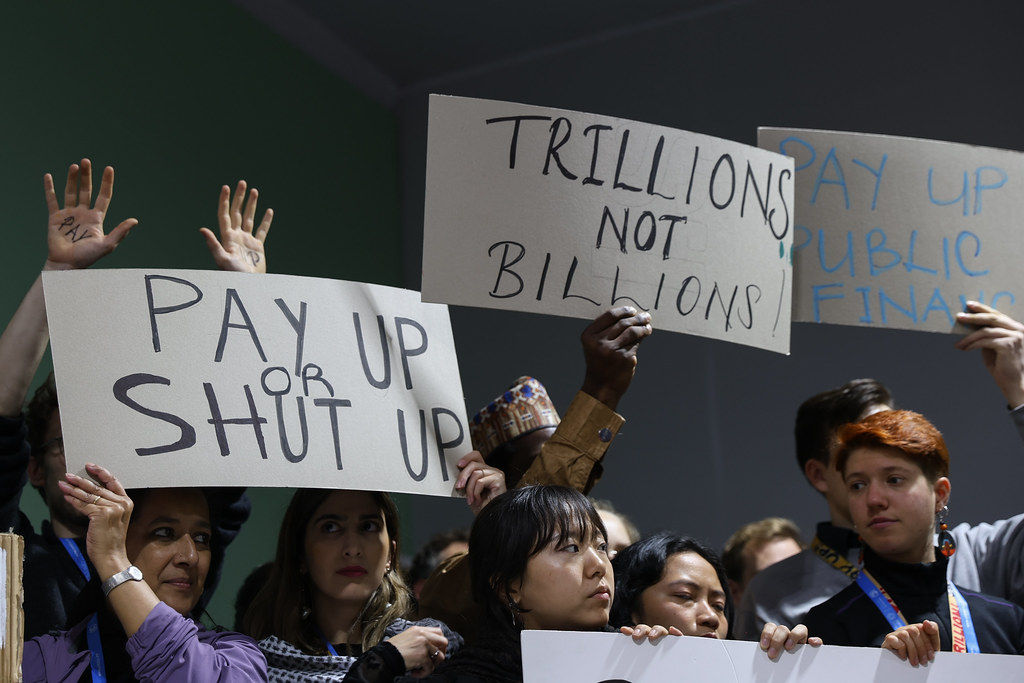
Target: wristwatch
[(133, 573)]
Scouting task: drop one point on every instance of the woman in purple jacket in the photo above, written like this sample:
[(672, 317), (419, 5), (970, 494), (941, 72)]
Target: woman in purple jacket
[(151, 557)]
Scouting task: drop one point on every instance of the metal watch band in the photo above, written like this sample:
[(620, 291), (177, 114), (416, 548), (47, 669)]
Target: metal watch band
[(132, 573)]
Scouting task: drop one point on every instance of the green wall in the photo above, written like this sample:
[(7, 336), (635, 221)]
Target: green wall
[(182, 98)]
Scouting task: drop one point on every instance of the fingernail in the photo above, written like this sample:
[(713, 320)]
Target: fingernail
[(764, 643), (630, 310), (772, 652), (790, 644)]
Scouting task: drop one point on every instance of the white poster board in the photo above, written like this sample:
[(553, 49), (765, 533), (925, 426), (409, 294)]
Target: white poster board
[(567, 213), (571, 657), (900, 232), (177, 378)]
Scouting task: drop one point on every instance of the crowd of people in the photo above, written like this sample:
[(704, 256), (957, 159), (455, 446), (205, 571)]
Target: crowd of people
[(116, 580)]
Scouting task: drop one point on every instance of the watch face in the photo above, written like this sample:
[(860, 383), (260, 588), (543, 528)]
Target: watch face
[(135, 573)]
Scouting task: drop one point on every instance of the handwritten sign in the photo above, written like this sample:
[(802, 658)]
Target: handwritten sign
[(174, 378), (571, 657), (899, 232), (562, 212)]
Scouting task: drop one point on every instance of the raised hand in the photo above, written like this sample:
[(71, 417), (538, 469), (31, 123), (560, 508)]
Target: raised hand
[(240, 247), (610, 345), (75, 237), (1001, 340)]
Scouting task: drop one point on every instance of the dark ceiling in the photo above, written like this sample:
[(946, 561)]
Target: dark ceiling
[(390, 48)]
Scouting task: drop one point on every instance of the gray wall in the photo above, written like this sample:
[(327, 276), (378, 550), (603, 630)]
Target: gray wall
[(708, 441)]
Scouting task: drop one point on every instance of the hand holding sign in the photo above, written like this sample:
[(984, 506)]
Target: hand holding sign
[(75, 237), (610, 345), (239, 248), (1001, 340)]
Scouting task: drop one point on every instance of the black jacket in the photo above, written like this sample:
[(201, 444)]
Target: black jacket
[(919, 590)]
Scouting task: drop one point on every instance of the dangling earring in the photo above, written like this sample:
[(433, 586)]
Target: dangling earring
[(947, 544), (305, 610), (513, 608)]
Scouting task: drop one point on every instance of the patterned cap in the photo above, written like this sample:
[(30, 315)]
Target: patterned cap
[(520, 409)]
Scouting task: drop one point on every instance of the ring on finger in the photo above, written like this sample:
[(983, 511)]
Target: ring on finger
[(94, 499), (435, 654)]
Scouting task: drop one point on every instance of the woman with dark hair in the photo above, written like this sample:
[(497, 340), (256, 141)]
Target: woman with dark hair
[(895, 465), (678, 581), (335, 590), (151, 558), (538, 560), (675, 580)]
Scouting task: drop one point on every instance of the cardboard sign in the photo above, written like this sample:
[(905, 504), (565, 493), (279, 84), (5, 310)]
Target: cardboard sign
[(567, 213), (899, 232), (571, 657), (179, 378)]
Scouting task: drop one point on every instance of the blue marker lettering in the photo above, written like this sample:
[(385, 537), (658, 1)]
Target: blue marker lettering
[(874, 248), (910, 265), (838, 180), (964, 234), (947, 202), (937, 303), (978, 187), (819, 297), (864, 291), (878, 177), (809, 146), (847, 258), (884, 298)]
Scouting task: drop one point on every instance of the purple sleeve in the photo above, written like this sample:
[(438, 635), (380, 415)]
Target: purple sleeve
[(170, 649), (52, 658)]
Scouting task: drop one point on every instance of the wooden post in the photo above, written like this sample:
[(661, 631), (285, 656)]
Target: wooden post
[(12, 613)]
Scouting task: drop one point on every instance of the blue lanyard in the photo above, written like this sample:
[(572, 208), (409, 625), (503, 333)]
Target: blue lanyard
[(961, 623), (885, 605), (962, 615), (92, 632), (327, 643)]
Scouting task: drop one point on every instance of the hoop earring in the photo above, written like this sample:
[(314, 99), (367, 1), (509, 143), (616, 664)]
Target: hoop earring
[(947, 544)]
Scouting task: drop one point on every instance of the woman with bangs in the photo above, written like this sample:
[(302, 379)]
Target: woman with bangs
[(335, 591), (895, 465), (538, 560), (679, 582)]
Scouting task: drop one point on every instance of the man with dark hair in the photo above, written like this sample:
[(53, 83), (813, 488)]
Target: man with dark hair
[(988, 556)]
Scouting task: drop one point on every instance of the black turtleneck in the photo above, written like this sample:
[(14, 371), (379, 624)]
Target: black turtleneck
[(919, 591)]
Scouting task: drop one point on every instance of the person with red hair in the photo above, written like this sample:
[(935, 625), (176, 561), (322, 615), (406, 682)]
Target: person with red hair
[(895, 466)]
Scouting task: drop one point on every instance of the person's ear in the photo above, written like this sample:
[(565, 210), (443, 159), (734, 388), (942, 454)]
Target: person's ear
[(392, 555), (815, 471), (942, 488), (36, 473)]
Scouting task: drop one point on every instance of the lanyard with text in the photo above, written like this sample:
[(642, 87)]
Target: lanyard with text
[(834, 558), (964, 637), (92, 632)]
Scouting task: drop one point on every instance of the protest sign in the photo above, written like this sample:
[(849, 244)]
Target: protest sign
[(176, 378), (566, 213), (900, 232), (574, 657)]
